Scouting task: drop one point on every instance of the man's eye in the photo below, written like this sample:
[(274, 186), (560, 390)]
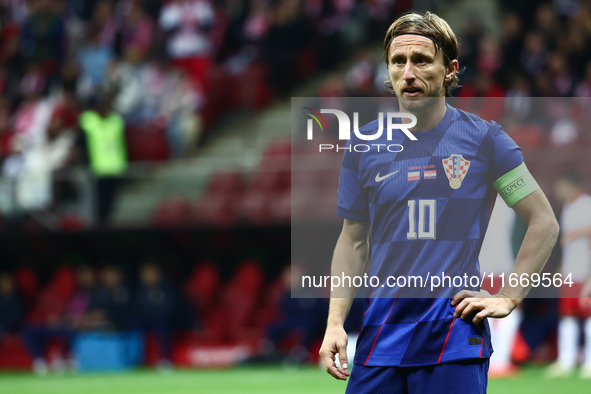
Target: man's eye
[(398, 61)]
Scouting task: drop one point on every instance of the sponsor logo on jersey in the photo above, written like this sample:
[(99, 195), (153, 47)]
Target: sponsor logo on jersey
[(455, 168), (381, 178)]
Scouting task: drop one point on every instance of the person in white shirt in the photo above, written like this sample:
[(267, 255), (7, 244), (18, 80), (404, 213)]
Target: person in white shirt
[(576, 259), (497, 258)]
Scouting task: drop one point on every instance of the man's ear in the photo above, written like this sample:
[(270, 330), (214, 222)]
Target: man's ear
[(451, 70)]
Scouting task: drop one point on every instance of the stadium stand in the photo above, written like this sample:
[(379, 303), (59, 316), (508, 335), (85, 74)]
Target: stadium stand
[(209, 173)]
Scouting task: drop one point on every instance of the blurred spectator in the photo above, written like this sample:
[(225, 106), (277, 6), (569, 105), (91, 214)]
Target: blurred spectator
[(489, 56), (300, 318), (34, 187), (583, 88), (511, 42), (561, 78), (137, 30), (152, 309), (564, 132), (186, 23), (127, 77), (39, 143), (93, 59), (11, 305), (288, 36), (56, 323), (576, 257), (359, 78), (6, 130), (105, 23), (534, 55), (10, 56), (161, 96), (103, 141), (518, 103), (110, 306), (43, 35), (34, 111), (183, 125)]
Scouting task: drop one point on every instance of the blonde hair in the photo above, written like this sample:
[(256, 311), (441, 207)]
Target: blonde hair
[(433, 27)]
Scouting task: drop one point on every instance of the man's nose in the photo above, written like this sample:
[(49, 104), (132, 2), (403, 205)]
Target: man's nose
[(409, 72)]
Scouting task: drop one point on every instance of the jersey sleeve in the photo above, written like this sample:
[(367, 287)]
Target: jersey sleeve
[(507, 154), (511, 177), (352, 201)]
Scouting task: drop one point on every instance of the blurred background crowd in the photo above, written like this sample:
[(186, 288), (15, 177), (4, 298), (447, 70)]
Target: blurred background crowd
[(145, 161)]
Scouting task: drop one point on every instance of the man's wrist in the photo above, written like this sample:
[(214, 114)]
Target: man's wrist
[(512, 299), (335, 324)]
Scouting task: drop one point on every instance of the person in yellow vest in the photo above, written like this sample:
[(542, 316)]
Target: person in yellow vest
[(103, 140)]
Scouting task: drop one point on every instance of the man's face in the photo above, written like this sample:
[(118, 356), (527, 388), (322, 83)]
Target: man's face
[(112, 278), (150, 276), (416, 70)]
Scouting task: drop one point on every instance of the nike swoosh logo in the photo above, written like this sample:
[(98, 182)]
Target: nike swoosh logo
[(381, 178)]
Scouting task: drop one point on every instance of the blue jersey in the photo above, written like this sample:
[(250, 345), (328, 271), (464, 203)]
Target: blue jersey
[(428, 207)]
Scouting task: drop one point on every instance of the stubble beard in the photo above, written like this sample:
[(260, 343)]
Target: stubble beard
[(420, 104)]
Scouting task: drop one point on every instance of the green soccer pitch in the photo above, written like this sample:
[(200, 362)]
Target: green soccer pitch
[(244, 380)]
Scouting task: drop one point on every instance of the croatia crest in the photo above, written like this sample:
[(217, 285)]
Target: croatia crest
[(455, 168)]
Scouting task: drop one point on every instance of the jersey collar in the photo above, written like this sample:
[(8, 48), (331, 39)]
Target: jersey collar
[(440, 128)]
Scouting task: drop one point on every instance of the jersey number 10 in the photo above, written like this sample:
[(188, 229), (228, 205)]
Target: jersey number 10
[(427, 212)]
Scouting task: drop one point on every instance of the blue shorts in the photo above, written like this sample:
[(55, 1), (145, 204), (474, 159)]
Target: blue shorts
[(461, 377)]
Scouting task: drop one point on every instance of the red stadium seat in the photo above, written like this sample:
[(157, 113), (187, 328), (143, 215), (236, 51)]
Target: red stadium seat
[(229, 182), (13, 353), (147, 143), (28, 285), (54, 298), (64, 282), (71, 223), (235, 317), (215, 209), (306, 63), (528, 136), (267, 181), (272, 297), (202, 287), (278, 148), (172, 212), (249, 277), (253, 207), (280, 207)]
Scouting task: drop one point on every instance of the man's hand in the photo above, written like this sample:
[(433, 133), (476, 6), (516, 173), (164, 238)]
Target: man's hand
[(489, 305), (335, 341)]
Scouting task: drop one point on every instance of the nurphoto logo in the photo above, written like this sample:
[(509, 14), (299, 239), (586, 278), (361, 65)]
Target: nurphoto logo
[(345, 129)]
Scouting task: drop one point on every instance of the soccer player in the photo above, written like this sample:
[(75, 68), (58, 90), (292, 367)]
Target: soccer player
[(426, 209), (576, 257)]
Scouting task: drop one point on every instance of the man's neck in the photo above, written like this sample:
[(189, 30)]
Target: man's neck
[(428, 117)]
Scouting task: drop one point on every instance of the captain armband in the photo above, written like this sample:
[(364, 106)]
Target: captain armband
[(516, 185)]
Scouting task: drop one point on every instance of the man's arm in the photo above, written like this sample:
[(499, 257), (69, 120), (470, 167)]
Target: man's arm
[(575, 234), (542, 232), (350, 256)]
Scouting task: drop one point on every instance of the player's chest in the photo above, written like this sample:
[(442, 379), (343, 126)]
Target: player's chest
[(424, 173)]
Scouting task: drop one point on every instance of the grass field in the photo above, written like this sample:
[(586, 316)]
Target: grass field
[(247, 380)]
